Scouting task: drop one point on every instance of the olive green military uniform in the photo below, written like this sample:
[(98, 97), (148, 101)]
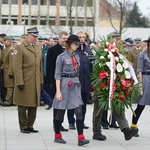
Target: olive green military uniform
[(7, 66), (28, 73)]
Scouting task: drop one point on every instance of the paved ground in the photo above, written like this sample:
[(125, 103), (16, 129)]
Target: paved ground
[(12, 139)]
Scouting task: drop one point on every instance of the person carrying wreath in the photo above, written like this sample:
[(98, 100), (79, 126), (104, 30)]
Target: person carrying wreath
[(68, 89)]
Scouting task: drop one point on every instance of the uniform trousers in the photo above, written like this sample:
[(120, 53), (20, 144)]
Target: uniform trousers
[(9, 95), (26, 116)]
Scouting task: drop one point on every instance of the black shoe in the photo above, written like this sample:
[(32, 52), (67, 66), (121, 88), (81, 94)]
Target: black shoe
[(136, 135), (83, 142), (114, 125), (32, 130), (106, 127), (72, 127), (5, 105), (60, 140), (42, 104), (25, 130), (63, 129), (130, 132), (99, 136), (89, 101), (85, 127), (48, 108)]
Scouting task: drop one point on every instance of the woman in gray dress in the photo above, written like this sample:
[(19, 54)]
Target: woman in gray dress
[(143, 70), (68, 89)]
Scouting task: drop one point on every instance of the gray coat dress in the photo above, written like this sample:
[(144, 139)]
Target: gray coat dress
[(71, 95), (144, 66)]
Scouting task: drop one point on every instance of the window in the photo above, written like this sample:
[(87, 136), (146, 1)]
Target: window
[(52, 2), (34, 2), (14, 1), (43, 2), (25, 1), (5, 2)]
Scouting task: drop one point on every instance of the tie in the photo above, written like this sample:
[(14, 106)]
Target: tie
[(74, 61)]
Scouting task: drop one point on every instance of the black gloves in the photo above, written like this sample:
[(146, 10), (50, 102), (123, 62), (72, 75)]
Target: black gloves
[(21, 87), (10, 76)]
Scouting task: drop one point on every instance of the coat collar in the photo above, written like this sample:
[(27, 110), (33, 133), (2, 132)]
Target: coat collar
[(29, 46)]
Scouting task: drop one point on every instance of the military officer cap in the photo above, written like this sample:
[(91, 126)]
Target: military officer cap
[(137, 40), (129, 40), (13, 40), (34, 31), (73, 38), (2, 35), (7, 38), (113, 34)]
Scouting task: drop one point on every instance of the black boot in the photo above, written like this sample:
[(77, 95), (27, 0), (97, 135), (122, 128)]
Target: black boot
[(129, 132), (99, 136)]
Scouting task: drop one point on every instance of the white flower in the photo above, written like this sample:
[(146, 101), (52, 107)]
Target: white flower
[(127, 74), (102, 57), (119, 67), (108, 64), (108, 56), (113, 50), (106, 49), (116, 58), (125, 65)]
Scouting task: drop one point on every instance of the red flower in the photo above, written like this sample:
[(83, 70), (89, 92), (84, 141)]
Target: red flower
[(125, 82), (123, 87), (108, 81), (102, 74), (70, 83), (122, 97), (127, 93), (102, 85)]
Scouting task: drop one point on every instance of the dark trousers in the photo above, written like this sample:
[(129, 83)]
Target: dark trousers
[(70, 112), (104, 118), (46, 97), (97, 115), (26, 116)]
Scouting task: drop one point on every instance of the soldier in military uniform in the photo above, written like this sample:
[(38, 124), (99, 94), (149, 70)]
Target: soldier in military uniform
[(134, 51), (68, 89), (28, 76), (7, 66)]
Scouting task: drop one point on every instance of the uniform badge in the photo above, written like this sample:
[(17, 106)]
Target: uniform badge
[(15, 52)]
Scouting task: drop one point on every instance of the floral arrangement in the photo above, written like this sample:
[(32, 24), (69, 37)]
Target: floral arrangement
[(113, 78)]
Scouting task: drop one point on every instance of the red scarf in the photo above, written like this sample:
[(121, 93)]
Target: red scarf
[(74, 61)]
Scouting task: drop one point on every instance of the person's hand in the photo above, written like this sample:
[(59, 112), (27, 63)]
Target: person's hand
[(21, 87), (10, 76), (58, 96), (141, 91)]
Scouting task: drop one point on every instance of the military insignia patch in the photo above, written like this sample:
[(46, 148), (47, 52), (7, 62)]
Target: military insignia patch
[(15, 52)]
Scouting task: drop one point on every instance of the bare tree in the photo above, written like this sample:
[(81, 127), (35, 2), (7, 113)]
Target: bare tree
[(118, 10)]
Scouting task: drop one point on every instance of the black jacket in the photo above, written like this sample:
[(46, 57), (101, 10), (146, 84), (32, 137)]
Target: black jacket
[(52, 54), (85, 68)]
